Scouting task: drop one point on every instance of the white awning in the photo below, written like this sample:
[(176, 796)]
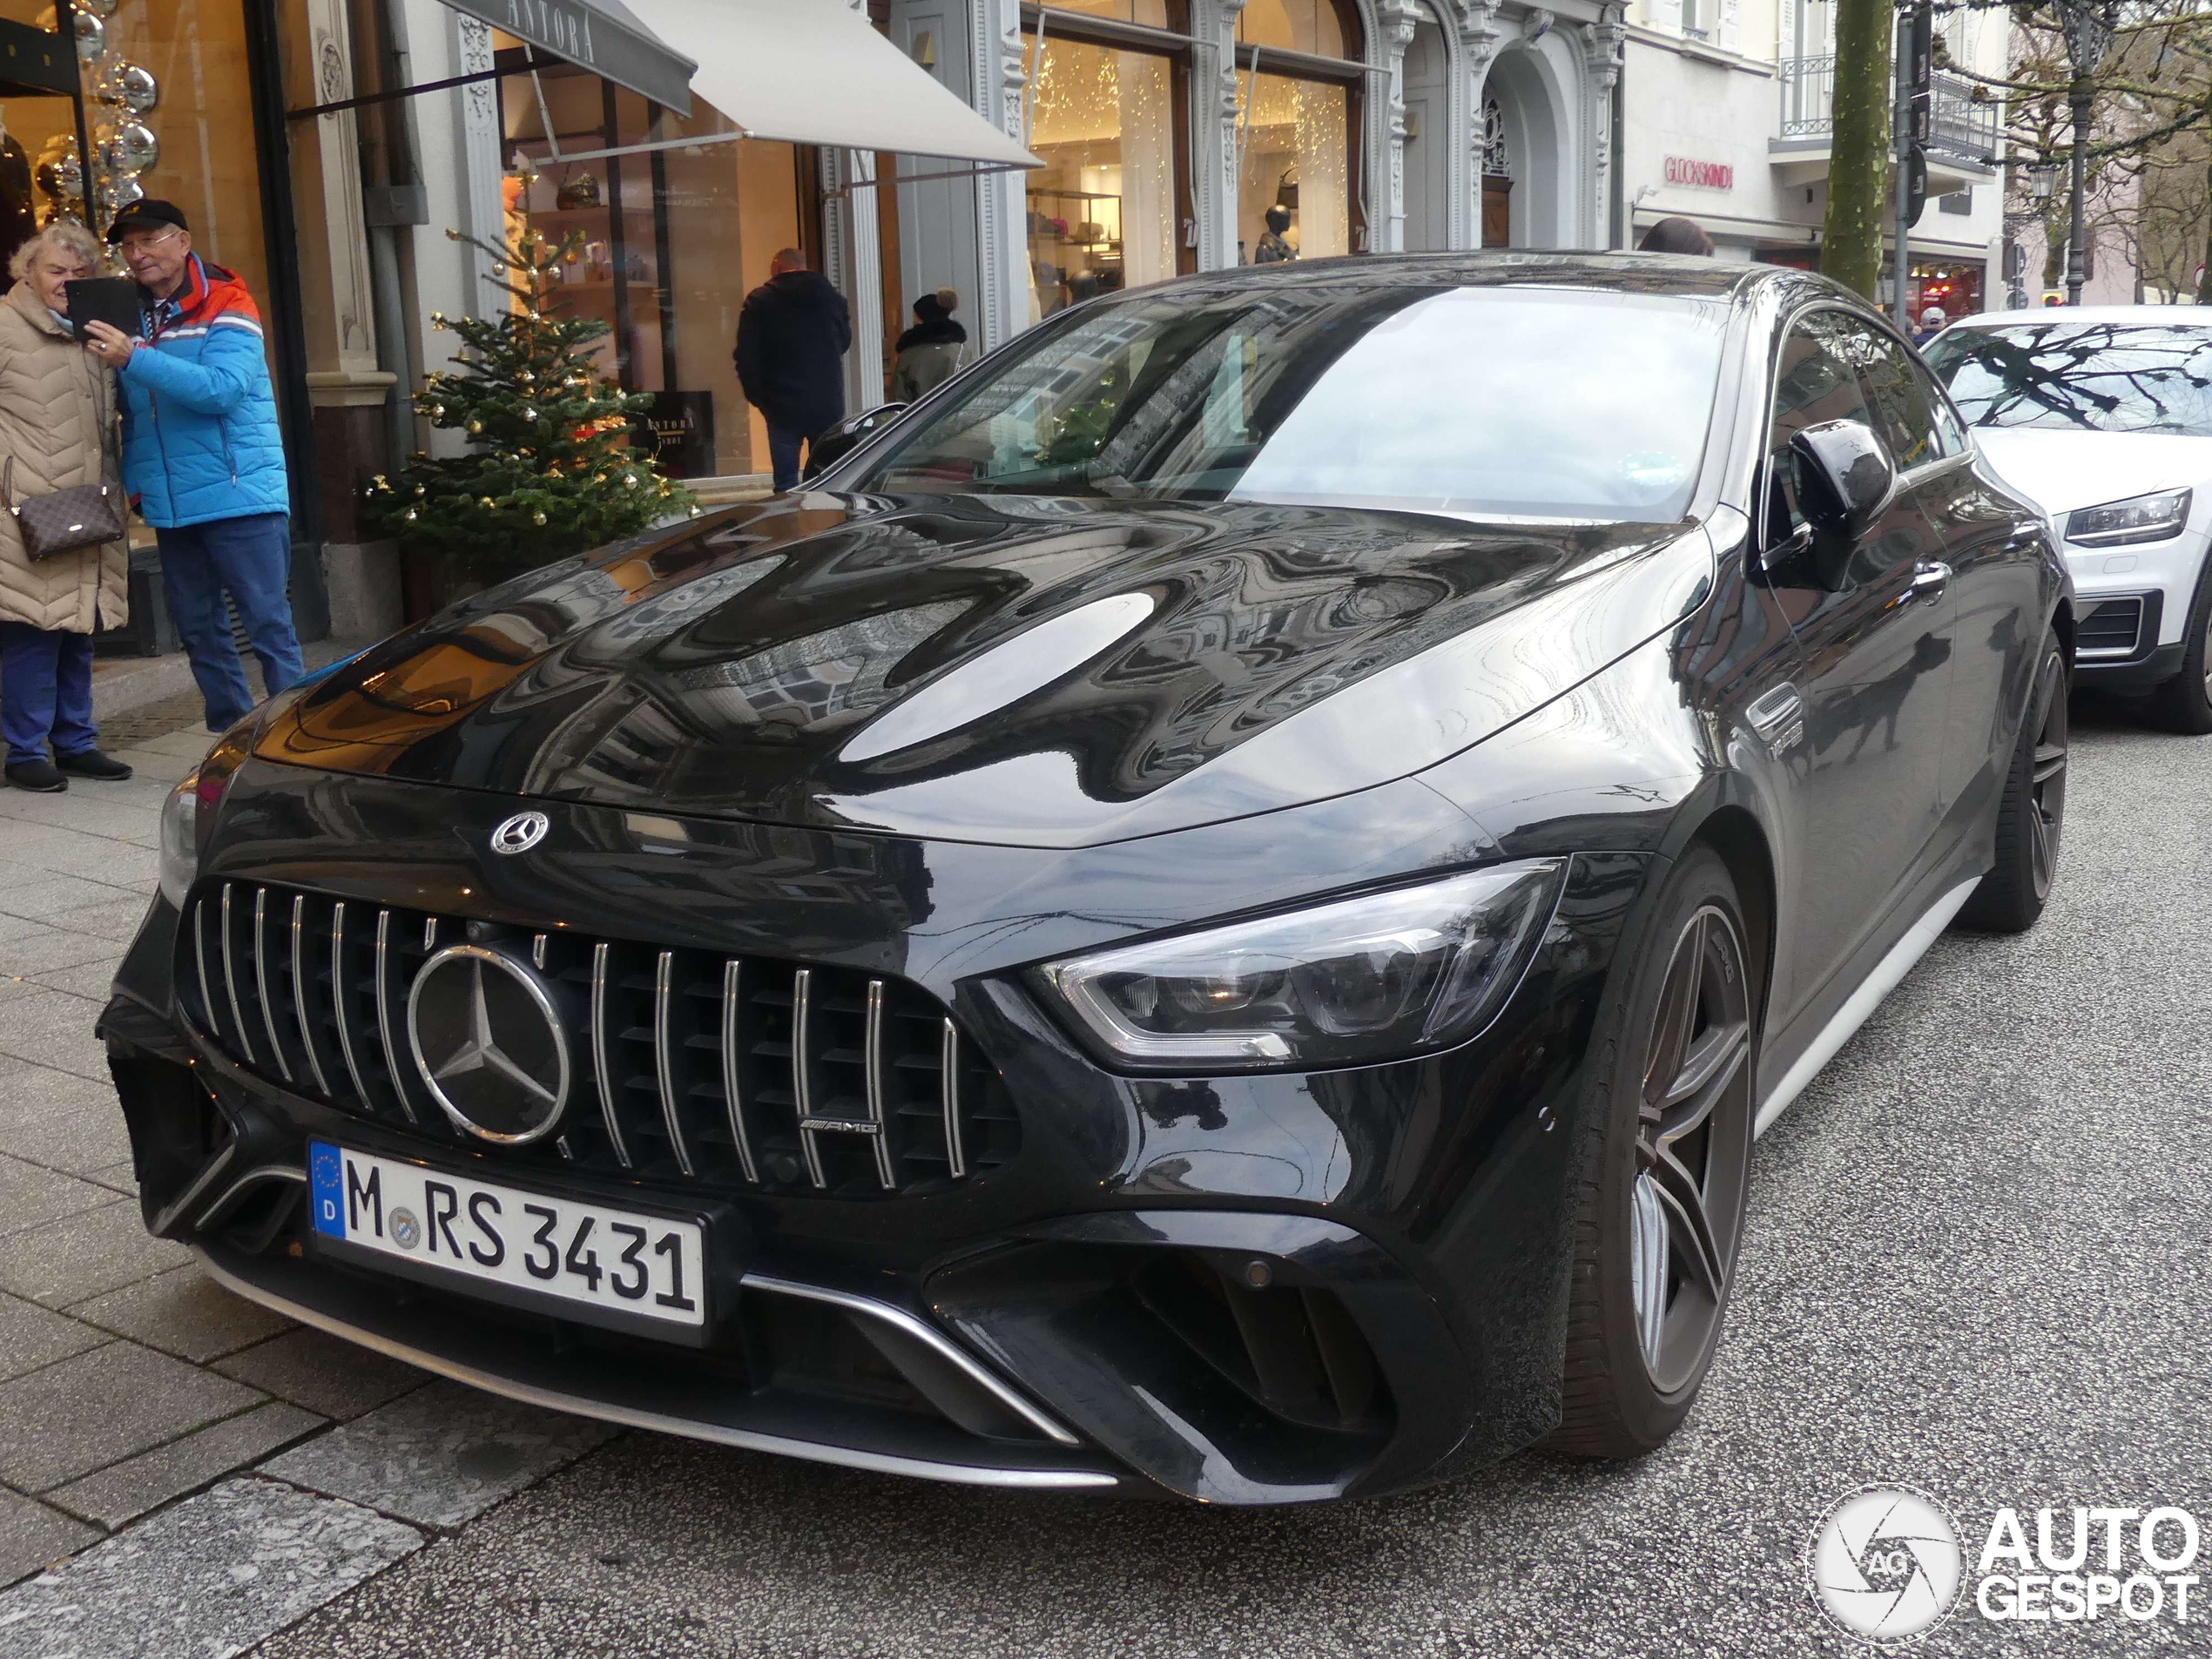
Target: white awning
[(602, 36), (813, 71)]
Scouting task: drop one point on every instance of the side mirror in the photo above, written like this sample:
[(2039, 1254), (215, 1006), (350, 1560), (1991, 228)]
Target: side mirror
[(1845, 477), (831, 447)]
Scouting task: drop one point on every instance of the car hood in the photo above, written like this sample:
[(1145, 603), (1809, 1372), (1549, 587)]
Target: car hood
[(2061, 470), (1016, 670)]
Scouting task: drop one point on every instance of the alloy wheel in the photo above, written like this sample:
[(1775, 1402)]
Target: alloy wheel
[(1693, 1146), (2046, 782)]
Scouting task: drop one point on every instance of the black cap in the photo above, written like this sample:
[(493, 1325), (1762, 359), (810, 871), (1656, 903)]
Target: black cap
[(144, 216)]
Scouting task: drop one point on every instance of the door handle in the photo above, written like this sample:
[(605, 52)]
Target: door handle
[(1930, 578)]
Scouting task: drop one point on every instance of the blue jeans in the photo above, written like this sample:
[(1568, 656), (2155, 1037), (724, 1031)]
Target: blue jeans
[(251, 559), (783, 455), (45, 691)]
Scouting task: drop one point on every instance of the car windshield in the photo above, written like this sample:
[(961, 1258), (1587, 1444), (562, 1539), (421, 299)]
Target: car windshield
[(1490, 402), (2093, 376)]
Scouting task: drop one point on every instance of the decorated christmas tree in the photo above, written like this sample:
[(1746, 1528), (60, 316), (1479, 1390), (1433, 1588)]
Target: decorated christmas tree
[(549, 469)]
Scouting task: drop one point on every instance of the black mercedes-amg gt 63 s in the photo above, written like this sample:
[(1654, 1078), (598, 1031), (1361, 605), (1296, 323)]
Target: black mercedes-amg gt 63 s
[(1212, 909)]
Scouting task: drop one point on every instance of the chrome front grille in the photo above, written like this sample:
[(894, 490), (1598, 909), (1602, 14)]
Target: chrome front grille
[(730, 1071)]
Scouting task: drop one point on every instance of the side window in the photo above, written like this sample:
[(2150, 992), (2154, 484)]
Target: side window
[(1815, 381), (1951, 435), (1902, 414)]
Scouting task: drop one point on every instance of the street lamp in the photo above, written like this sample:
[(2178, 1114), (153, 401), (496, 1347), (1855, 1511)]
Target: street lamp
[(2042, 179), (2088, 25)]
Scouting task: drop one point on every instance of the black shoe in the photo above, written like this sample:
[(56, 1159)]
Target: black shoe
[(37, 775), (90, 763)]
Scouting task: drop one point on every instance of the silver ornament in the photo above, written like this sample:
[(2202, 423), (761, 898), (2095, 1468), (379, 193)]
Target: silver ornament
[(133, 86), (92, 38), (133, 148), (98, 8), (119, 193)]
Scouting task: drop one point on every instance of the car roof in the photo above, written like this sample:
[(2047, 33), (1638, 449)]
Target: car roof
[(1688, 275), (2165, 316)]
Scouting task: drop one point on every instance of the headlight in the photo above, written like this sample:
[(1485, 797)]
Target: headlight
[(1371, 978), (180, 839), (2139, 518), (189, 813)]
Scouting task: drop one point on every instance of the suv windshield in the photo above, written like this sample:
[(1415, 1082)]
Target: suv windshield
[(1513, 402), (2101, 376)]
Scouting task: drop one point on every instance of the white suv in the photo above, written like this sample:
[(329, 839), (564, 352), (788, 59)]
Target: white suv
[(2102, 415)]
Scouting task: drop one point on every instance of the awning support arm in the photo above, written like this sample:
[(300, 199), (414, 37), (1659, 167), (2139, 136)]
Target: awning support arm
[(1030, 90), (395, 93), (975, 172), (1244, 115), (545, 116)]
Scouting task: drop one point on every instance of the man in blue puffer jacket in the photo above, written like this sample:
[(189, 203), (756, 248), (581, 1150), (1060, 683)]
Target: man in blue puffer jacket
[(202, 453)]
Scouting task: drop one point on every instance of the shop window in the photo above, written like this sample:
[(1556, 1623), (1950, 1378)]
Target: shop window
[(1497, 177), (1314, 27), (1153, 14), (1299, 138), (167, 105), (663, 246), (1101, 210)]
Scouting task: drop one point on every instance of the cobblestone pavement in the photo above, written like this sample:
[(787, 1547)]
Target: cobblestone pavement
[(1973, 1265)]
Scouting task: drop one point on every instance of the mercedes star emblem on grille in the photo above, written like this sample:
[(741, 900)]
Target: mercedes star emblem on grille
[(520, 832), (490, 1043)]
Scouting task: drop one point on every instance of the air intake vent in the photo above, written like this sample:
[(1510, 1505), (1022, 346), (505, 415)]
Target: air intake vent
[(684, 1065), (1293, 1349), (2109, 628)]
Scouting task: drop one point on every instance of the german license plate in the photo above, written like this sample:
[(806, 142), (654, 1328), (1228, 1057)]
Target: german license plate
[(613, 1260)]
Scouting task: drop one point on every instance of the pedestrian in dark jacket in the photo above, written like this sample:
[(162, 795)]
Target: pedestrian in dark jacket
[(931, 350), (202, 453), (792, 336)]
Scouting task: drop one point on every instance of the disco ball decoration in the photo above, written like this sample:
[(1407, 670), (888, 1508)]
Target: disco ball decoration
[(131, 85), (133, 148), (60, 175)]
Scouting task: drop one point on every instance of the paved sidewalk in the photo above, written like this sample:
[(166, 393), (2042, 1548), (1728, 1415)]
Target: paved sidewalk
[(199, 1472)]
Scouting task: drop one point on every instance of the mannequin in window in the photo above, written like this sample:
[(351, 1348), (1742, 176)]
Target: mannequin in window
[(1273, 249)]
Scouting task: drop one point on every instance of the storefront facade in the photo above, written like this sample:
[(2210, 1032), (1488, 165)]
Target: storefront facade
[(342, 156), (1728, 119), (1169, 128)]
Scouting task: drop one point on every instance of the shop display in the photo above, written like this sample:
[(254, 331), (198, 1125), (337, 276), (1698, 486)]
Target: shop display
[(124, 146)]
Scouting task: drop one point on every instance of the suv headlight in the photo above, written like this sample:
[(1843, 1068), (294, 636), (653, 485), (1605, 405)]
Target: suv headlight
[(1372, 977), (2139, 518)]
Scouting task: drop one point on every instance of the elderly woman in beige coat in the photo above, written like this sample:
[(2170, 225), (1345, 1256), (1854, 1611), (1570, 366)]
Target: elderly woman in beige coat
[(56, 400)]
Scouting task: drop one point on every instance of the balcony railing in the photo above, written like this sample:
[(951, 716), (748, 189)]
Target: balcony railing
[(1961, 126)]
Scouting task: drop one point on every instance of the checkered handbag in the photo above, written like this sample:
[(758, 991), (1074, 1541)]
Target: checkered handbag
[(62, 521)]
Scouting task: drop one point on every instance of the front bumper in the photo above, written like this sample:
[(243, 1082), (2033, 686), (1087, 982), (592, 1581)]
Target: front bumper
[(2132, 608), (1246, 1289)]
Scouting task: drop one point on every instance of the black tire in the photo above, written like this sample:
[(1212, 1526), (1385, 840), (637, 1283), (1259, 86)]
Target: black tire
[(1629, 1380), (2184, 702), (2031, 819)]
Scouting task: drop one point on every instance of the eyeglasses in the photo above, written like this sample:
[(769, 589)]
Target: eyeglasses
[(131, 244)]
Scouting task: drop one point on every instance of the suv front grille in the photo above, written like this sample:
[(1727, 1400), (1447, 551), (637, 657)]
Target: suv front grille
[(734, 1071)]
